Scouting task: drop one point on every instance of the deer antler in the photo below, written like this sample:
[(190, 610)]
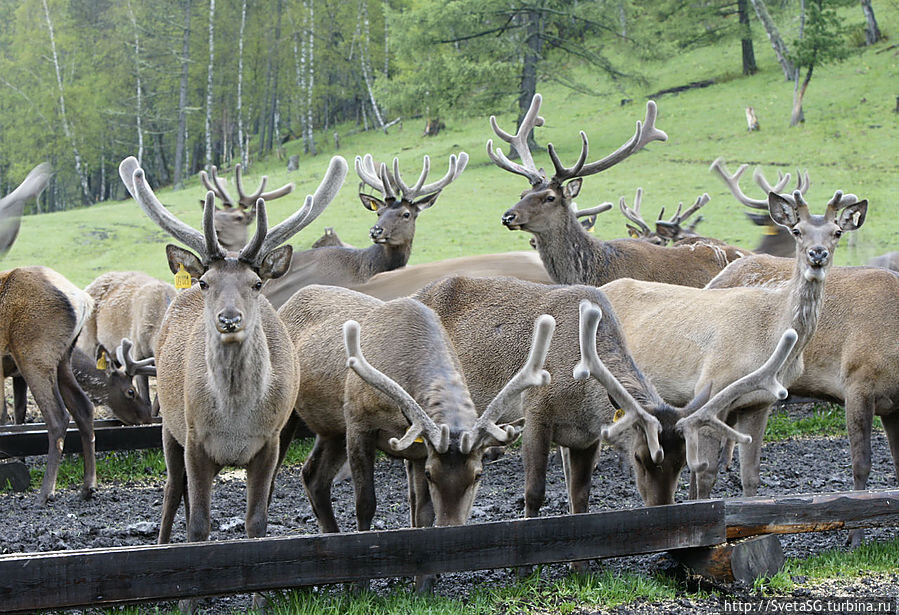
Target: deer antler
[(733, 183), (144, 367), (674, 223), (244, 201), (531, 374), (591, 365), (838, 202), (456, 166), (520, 142), (13, 204), (593, 211), (421, 423), (634, 214), (375, 177), (709, 415)]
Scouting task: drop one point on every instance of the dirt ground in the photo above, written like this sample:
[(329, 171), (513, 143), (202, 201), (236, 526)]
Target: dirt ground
[(125, 514)]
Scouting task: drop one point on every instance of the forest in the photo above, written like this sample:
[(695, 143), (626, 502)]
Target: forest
[(187, 84)]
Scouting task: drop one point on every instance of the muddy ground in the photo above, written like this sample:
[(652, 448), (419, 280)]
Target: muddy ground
[(128, 514)]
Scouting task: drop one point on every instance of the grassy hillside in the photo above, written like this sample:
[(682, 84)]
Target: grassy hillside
[(849, 141)]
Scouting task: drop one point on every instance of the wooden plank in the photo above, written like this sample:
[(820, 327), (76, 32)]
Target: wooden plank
[(105, 576), (793, 514), (28, 442), (99, 423), (740, 560)]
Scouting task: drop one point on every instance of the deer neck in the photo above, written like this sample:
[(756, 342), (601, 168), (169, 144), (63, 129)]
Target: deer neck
[(569, 254), (238, 373), (805, 298), (386, 257)]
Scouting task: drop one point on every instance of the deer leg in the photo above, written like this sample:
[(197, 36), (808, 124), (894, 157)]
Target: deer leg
[(20, 399), (327, 455), (891, 427), (421, 511), (859, 418), (360, 448), (260, 477), (581, 471), (174, 485), (82, 411), (42, 381), (753, 423), (285, 438), (535, 453), (201, 471)]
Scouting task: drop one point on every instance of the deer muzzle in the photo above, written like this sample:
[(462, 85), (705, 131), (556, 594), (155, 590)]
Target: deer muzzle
[(377, 234), (230, 324), (510, 220)]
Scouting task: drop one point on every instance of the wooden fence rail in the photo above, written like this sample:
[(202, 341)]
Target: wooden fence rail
[(111, 435)]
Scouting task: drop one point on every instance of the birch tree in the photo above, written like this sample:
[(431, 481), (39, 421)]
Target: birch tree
[(209, 75), (181, 136), (777, 43), (872, 30), (67, 129), (309, 137), (138, 110), (244, 154), (365, 64)]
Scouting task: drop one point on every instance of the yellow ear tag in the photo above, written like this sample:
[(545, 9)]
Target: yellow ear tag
[(619, 413), (101, 361), (771, 229), (419, 440), (591, 229), (182, 278)]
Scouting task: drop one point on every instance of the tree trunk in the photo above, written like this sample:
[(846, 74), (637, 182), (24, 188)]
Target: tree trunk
[(797, 116), (209, 74), (181, 137), (872, 32), (139, 112), (310, 81), (366, 68), (777, 43), (244, 155), (528, 84), (749, 65), (274, 111), (67, 130)]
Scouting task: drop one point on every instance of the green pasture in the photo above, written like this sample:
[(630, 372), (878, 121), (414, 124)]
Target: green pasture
[(850, 141)]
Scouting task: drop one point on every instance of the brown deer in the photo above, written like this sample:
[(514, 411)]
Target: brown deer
[(233, 219), (890, 260), (776, 241), (13, 204), (487, 318), (721, 334), (127, 304), (667, 231), (329, 238), (41, 314), (570, 254), (392, 236), (226, 373), (407, 397), (112, 386)]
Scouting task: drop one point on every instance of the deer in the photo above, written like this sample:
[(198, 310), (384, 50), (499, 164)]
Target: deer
[(730, 330), (127, 304), (111, 386), (329, 238), (586, 217), (776, 240), (890, 260), (392, 235), (667, 231), (570, 254), (233, 218), (406, 396), (226, 375), (575, 413)]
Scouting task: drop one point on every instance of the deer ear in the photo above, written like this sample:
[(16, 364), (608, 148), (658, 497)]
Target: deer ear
[(853, 216), (783, 212), (632, 232), (371, 203), (425, 202), (179, 256), (666, 231), (573, 188), (276, 263)]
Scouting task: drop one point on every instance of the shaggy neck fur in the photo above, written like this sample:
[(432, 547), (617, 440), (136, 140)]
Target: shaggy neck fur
[(806, 298), (385, 257), (571, 255), (239, 372)]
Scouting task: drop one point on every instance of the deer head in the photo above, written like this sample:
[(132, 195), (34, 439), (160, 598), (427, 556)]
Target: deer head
[(537, 211), (401, 204), (233, 218), (670, 230), (454, 455)]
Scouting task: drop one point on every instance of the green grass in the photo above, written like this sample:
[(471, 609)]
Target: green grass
[(825, 420), (848, 142)]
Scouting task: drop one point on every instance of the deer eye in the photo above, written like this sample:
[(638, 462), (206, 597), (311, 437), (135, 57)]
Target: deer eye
[(130, 393), (838, 233), (257, 285), (406, 215), (550, 198), (203, 284), (796, 232), (428, 475)]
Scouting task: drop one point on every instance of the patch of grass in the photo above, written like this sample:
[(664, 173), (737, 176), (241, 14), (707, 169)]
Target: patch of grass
[(116, 466), (298, 451), (825, 420)]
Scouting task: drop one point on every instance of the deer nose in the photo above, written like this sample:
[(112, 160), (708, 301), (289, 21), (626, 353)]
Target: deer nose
[(509, 217), (376, 231), (229, 321), (818, 256)]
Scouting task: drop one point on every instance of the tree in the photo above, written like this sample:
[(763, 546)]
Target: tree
[(777, 43), (209, 74), (181, 135), (872, 31), (749, 65), (821, 43)]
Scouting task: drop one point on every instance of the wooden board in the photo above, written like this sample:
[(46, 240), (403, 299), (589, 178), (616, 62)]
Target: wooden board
[(31, 439), (106, 576), (740, 560), (794, 514)]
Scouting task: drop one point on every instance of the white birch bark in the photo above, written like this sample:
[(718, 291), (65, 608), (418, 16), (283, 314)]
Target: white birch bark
[(365, 64), (181, 136), (777, 43), (209, 74), (310, 79), (139, 112), (67, 130), (244, 155)]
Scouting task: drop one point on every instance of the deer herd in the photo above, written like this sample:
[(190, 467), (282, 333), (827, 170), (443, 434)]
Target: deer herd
[(673, 354)]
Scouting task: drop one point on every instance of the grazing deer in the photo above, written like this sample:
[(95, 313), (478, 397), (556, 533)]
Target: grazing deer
[(392, 235), (407, 397), (112, 386), (13, 204), (41, 314), (487, 318), (667, 231), (721, 334), (127, 304), (890, 260), (233, 219), (226, 374), (776, 241), (570, 254)]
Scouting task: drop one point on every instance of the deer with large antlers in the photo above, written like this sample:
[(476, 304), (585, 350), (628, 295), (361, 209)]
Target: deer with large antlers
[(720, 334), (234, 217), (776, 240), (570, 254), (397, 210), (226, 373), (671, 230), (487, 318), (406, 396)]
